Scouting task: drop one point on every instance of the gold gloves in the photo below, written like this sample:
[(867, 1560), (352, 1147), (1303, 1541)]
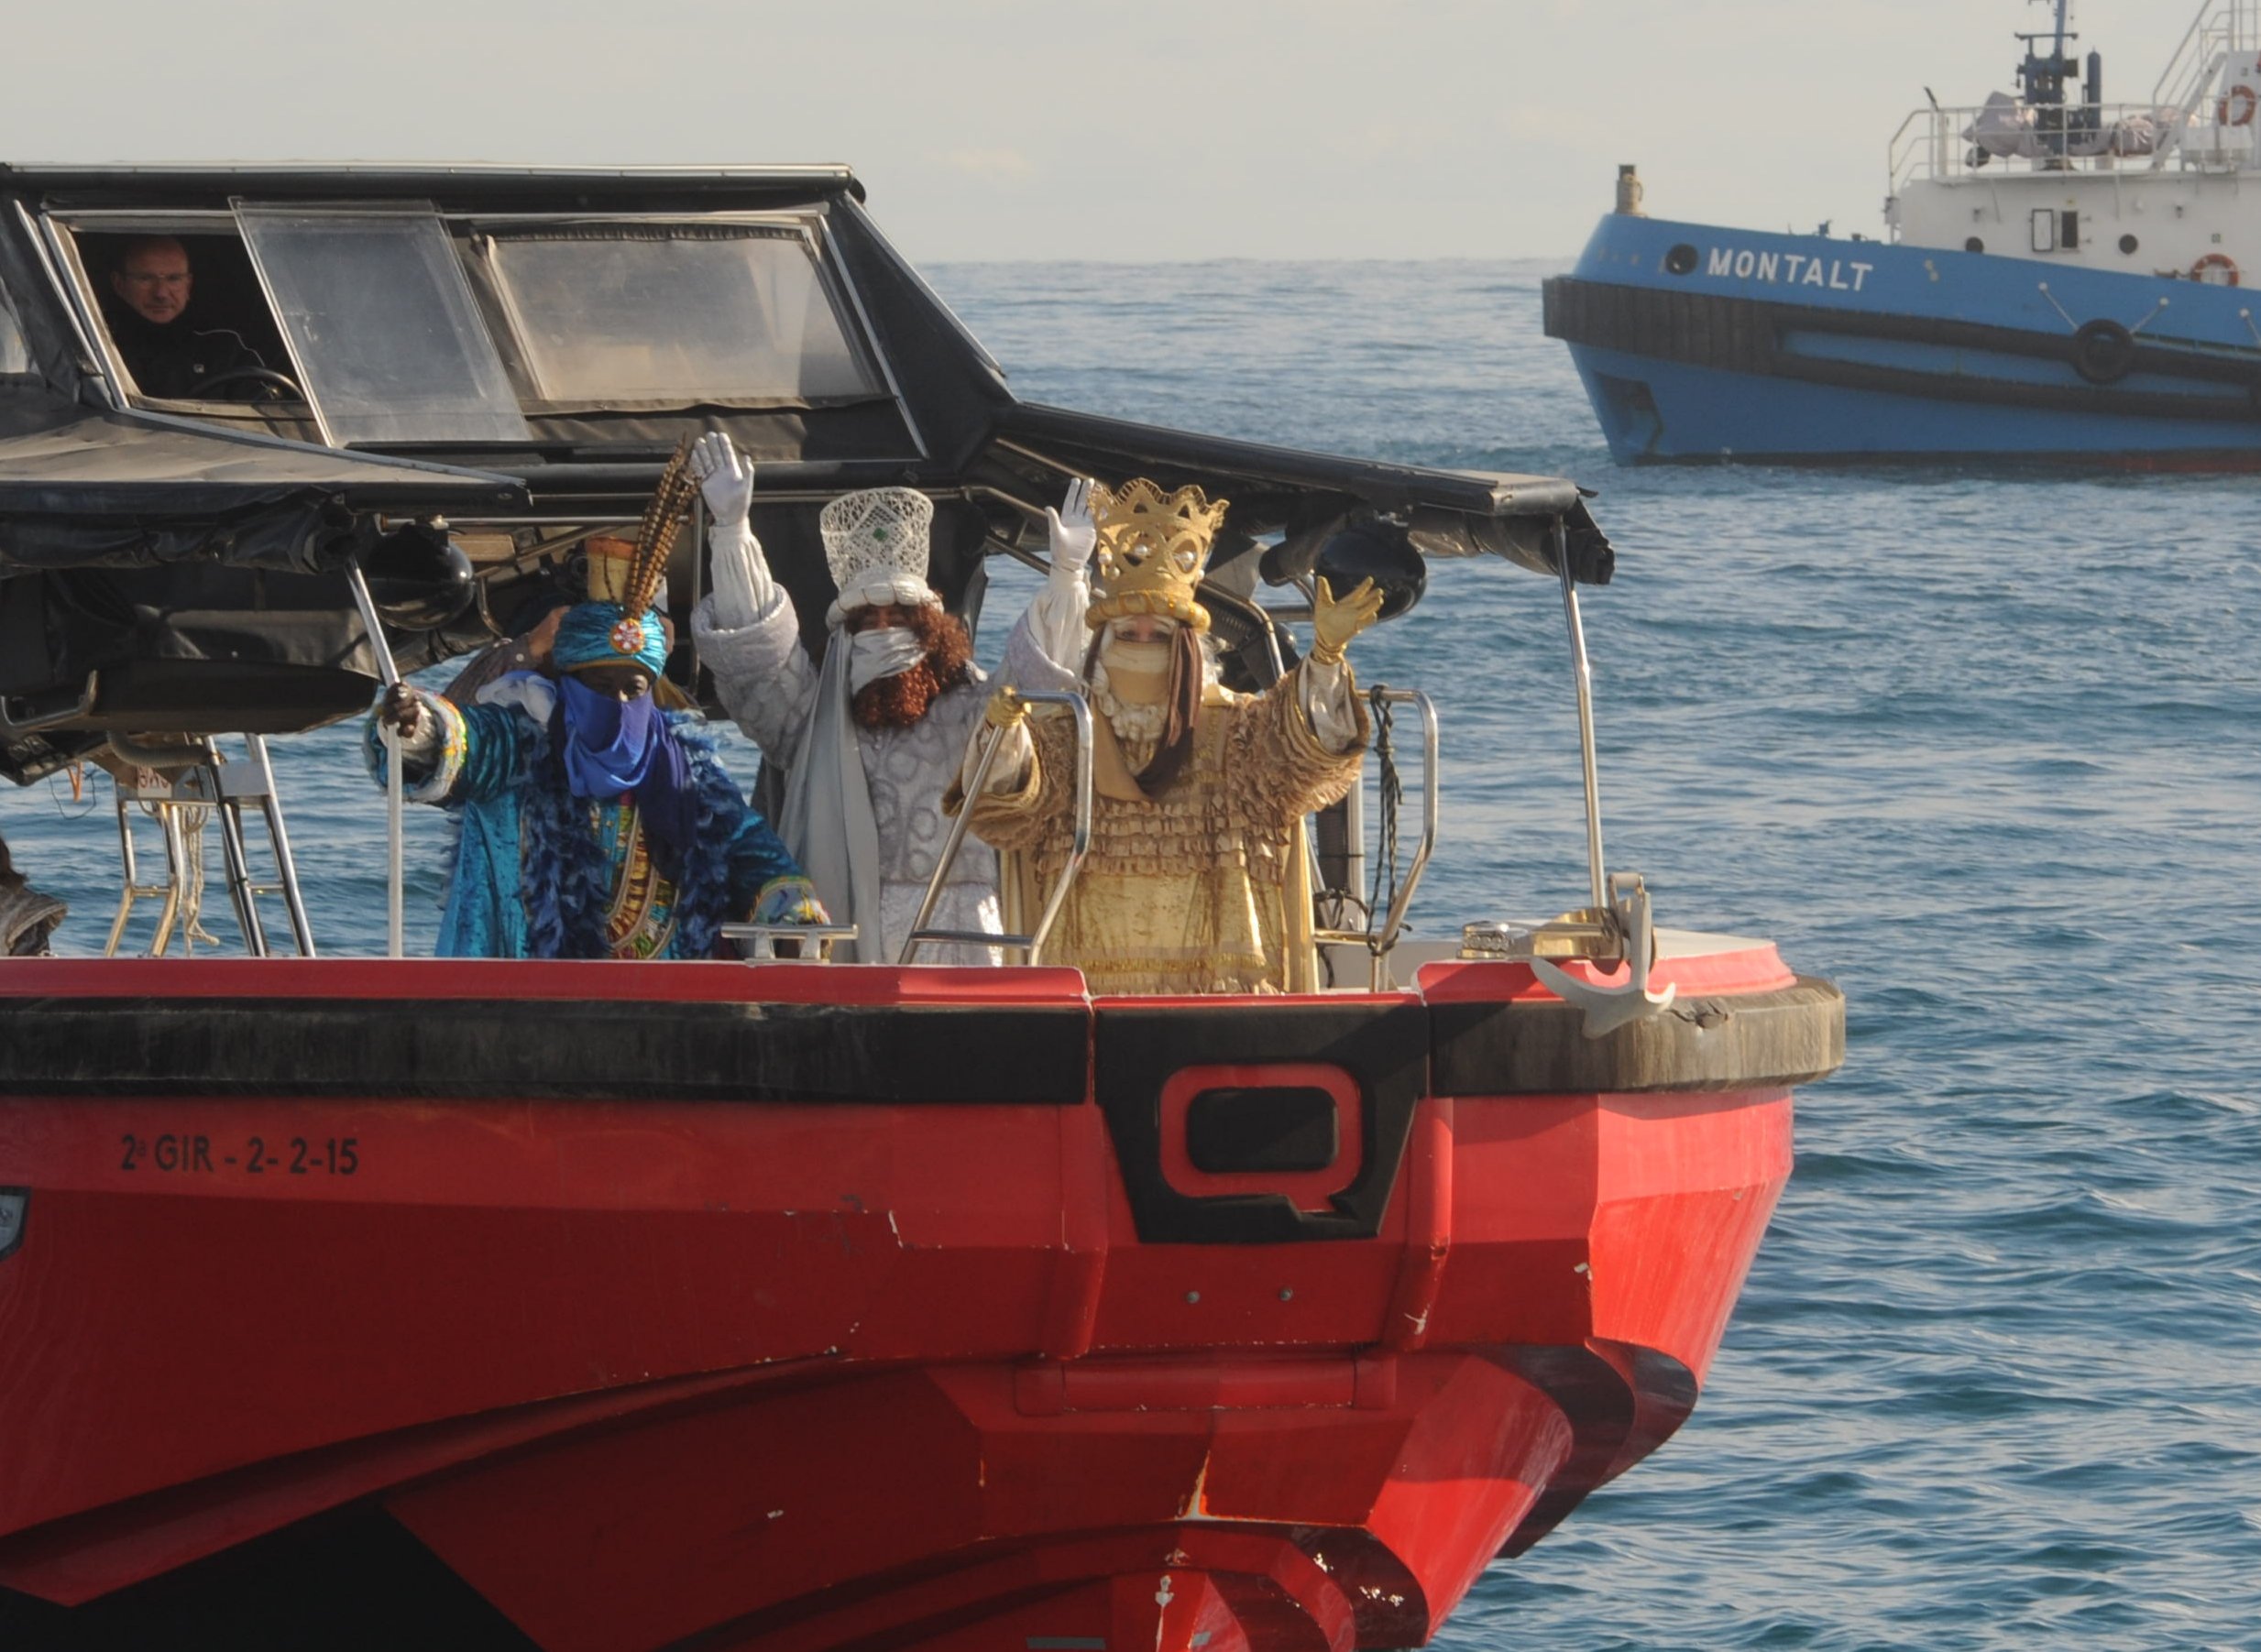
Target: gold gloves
[(1334, 623), (1006, 708)]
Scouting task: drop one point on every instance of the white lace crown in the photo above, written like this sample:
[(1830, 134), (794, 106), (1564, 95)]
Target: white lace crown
[(877, 543)]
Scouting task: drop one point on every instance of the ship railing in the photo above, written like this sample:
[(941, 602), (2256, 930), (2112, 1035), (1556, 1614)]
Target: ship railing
[(1030, 946), (2008, 138), (2192, 72)]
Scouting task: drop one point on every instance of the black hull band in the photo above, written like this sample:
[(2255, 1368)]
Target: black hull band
[(1755, 1040), (1746, 335), (569, 1049), (537, 1049)]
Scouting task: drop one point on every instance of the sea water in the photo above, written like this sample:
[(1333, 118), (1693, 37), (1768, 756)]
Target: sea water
[(1981, 748)]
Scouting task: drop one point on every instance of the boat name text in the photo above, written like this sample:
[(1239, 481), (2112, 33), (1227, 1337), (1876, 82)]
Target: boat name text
[(1781, 268)]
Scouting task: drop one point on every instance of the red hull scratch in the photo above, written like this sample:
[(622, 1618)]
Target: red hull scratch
[(777, 1376)]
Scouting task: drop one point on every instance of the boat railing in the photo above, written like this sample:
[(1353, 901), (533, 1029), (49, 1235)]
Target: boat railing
[(2011, 137), (1030, 946), (185, 787), (1392, 895)]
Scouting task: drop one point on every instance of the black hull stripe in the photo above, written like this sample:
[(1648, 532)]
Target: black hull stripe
[(1744, 335), (1755, 1041), (535, 1049), (548, 1049)]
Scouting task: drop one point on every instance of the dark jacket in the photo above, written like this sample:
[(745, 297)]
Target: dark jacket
[(173, 359)]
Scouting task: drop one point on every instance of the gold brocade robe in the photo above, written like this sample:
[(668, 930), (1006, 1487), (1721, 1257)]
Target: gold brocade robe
[(1203, 889)]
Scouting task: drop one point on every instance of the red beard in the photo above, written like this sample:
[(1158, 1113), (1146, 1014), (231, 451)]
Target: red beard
[(901, 700)]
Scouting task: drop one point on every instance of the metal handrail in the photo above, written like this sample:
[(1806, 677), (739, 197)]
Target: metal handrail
[(2216, 30), (199, 776), (1930, 144), (1380, 940), (1079, 843)]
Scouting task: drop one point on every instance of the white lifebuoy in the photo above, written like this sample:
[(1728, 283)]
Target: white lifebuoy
[(2246, 100), (2203, 270)]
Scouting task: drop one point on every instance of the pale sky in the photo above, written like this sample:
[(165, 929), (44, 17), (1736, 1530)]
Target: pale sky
[(1142, 130)]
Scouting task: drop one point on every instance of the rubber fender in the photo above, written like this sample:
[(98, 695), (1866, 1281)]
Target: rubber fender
[(2102, 352)]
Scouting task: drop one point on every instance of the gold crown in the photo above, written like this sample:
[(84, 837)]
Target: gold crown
[(1153, 549)]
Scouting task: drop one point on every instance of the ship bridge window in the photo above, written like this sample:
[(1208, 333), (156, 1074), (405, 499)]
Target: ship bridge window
[(613, 315)]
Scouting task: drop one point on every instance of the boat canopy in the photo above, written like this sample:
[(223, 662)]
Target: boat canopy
[(468, 369), (80, 488)]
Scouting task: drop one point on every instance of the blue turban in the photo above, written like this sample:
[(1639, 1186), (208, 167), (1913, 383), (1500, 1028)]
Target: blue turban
[(593, 633)]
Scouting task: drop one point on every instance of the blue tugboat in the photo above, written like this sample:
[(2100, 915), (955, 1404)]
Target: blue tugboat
[(2061, 279)]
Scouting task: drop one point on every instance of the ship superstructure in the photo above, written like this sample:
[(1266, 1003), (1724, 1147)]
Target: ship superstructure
[(2062, 277)]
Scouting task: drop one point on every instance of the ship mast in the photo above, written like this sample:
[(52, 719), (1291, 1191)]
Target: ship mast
[(2042, 77)]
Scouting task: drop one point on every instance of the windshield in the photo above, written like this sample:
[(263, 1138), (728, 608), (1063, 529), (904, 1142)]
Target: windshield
[(672, 315)]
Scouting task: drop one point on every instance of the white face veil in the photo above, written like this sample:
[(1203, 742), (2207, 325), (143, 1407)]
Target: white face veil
[(875, 656)]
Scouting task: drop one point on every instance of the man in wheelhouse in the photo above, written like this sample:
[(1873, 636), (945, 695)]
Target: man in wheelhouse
[(591, 823), (1197, 880), (167, 354)]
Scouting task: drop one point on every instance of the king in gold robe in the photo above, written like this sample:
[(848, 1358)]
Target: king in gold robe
[(1197, 879)]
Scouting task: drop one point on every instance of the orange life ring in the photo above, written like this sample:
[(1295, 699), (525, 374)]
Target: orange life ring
[(2244, 117), (2215, 261)]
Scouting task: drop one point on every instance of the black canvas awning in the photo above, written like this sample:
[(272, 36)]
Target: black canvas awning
[(80, 488), (66, 462), (1451, 512)]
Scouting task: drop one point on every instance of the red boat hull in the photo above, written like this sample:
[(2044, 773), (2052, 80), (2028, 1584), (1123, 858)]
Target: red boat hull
[(771, 1357)]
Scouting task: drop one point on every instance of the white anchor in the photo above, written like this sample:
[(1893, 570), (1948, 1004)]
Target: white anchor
[(1609, 1008)]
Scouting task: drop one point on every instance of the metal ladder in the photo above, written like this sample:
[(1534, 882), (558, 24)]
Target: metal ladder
[(207, 781)]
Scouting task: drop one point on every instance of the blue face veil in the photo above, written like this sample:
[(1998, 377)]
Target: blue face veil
[(612, 748)]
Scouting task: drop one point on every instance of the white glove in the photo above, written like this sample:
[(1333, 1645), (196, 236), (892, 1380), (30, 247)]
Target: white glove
[(1073, 531), (725, 476), (743, 591)]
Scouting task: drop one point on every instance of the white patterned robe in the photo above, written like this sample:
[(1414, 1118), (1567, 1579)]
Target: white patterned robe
[(768, 684)]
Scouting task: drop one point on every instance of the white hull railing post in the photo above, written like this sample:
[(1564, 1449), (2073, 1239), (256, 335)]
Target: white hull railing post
[(391, 675)]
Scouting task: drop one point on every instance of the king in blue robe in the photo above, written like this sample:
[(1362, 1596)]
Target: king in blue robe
[(590, 823)]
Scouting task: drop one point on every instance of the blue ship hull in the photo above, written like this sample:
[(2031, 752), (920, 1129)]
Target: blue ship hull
[(1697, 343)]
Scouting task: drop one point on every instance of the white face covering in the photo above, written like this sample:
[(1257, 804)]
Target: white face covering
[(883, 654), (1136, 659), (1137, 673)]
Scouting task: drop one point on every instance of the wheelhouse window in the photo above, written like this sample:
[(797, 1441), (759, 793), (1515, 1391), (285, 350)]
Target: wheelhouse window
[(383, 325), (610, 315), (182, 310)]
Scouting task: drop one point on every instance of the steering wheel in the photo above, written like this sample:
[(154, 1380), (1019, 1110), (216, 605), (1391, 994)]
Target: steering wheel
[(266, 376)]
